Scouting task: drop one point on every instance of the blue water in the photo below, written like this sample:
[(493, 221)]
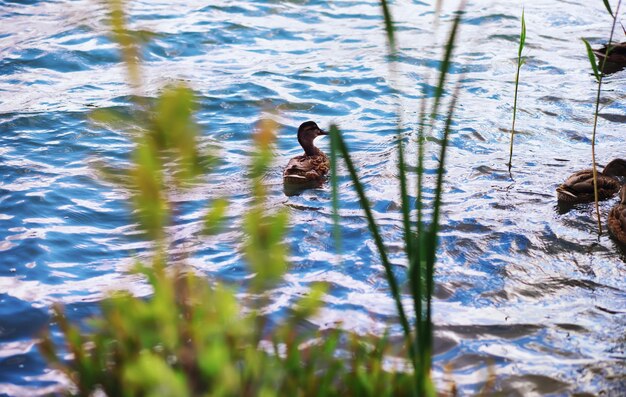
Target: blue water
[(522, 287)]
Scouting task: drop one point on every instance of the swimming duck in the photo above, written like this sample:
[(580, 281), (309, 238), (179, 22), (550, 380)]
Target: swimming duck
[(616, 60), (617, 219), (578, 188), (310, 168)]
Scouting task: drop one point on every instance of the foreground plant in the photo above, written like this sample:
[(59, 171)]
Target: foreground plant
[(420, 237)]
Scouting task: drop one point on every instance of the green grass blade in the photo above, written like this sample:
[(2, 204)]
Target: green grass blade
[(378, 241), (404, 199), (592, 60), (520, 62), (608, 7), (447, 59), (415, 265), (389, 29), (522, 37), (410, 251), (423, 270), (415, 273), (432, 234), (334, 132), (421, 147)]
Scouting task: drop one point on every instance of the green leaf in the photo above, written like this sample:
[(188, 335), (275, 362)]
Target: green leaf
[(334, 180), (214, 218), (389, 29), (176, 133), (147, 183), (312, 301), (592, 60), (151, 376), (522, 37), (520, 62), (608, 7), (447, 60)]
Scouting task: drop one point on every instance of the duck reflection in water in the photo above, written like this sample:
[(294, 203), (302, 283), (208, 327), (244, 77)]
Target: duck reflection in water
[(309, 170)]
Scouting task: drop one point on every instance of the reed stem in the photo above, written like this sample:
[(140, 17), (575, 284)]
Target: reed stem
[(600, 76), (520, 62)]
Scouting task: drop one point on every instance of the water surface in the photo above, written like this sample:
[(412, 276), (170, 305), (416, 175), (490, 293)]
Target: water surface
[(522, 286)]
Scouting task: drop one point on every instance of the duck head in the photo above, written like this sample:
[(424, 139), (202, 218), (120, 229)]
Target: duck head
[(307, 132), (616, 168)]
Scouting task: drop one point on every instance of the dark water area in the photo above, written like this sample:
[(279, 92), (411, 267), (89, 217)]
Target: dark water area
[(523, 288)]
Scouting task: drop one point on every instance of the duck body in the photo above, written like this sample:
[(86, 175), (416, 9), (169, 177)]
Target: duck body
[(306, 169), (578, 188), (616, 55), (311, 168), (617, 219), (616, 58)]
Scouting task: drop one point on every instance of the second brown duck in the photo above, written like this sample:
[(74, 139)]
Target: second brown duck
[(616, 59), (578, 188)]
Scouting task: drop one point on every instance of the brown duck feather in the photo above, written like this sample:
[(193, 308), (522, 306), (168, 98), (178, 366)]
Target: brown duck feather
[(617, 219), (305, 169)]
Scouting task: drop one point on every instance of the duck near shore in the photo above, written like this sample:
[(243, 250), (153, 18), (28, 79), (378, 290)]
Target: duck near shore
[(578, 188)]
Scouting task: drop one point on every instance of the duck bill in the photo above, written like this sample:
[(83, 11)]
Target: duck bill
[(322, 132)]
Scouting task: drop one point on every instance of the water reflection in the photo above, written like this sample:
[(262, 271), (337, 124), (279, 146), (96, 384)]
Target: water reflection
[(295, 189)]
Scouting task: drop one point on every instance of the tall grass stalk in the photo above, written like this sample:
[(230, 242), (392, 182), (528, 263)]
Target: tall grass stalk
[(420, 239), (599, 75), (520, 62)]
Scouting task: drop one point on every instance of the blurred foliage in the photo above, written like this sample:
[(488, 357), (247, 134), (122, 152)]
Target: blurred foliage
[(191, 337)]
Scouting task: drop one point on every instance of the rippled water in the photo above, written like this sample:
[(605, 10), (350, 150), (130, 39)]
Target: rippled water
[(522, 287)]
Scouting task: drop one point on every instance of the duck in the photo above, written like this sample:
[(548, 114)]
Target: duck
[(616, 60), (578, 188), (617, 219), (310, 168)]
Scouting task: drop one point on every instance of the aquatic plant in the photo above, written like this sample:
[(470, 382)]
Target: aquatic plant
[(598, 72), (520, 62), (190, 337), (420, 237)]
